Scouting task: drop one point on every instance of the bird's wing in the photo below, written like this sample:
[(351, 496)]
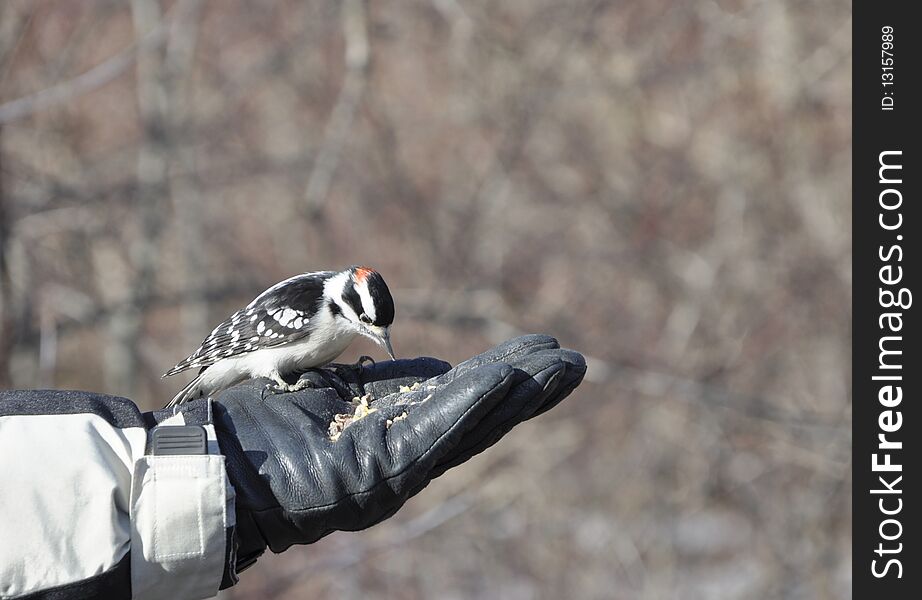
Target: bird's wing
[(277, 316)]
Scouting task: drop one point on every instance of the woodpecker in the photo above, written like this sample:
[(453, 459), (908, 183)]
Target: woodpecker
[(300, 323)]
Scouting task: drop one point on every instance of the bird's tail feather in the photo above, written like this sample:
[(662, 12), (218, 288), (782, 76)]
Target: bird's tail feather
[(187, 393)]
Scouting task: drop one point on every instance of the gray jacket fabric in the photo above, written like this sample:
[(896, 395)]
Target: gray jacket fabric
[(87, 512)]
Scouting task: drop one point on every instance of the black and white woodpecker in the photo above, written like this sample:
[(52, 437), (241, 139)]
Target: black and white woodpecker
[(300, 323)]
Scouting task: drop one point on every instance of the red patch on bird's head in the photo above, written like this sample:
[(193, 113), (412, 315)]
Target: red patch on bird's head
[(361, 273)]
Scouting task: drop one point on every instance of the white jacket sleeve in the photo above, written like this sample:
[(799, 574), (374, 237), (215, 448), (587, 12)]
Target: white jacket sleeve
[(86, 511)]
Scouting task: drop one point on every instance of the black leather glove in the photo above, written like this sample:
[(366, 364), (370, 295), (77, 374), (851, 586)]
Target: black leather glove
[(295, 485)]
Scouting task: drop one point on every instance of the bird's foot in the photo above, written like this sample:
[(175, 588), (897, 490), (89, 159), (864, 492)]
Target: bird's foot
[(353, 372), (283, 387), (358, 366)]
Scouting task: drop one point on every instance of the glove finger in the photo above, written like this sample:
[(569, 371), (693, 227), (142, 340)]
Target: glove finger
[(408, 448), (557, 385), (508, 352), (387, 377), (523, 400), (530, 388), (573, 364), (536, 378), (378, 379), (576, 371), (394, 456)]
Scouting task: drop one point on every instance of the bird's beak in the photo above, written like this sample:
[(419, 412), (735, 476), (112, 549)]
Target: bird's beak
[(382, 335)]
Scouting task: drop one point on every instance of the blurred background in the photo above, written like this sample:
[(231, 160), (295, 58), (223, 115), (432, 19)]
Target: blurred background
[(664, 186)]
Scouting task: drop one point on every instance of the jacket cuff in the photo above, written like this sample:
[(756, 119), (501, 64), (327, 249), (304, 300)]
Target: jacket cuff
[(182, 519)]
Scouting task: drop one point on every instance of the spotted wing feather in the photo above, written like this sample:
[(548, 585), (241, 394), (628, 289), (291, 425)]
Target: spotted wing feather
[(278, 316)]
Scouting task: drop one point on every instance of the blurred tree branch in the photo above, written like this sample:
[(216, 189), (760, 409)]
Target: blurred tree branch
[(356, 54), (158, 101), (94, 78), (7, 337), (13, 29), (184, 190)]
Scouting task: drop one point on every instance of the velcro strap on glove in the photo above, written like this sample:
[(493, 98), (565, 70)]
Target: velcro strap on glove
[(181, 509)]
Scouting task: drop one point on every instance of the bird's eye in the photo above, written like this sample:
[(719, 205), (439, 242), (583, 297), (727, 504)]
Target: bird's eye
[(365, 319)]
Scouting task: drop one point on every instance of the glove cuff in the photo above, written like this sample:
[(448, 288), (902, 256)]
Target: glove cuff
[(249, 542), (182, 508), (239, 555)]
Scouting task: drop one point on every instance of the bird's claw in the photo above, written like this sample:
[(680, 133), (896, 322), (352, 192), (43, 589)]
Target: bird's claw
[(359, 365), (286, 388)]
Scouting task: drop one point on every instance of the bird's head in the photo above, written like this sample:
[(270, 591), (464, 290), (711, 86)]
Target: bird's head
[(365, 301)]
